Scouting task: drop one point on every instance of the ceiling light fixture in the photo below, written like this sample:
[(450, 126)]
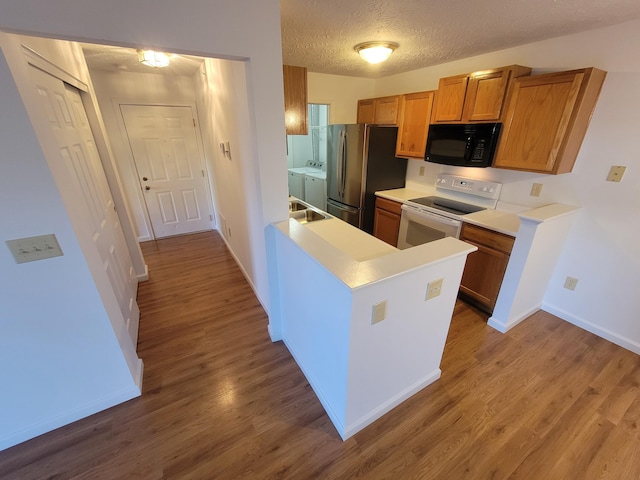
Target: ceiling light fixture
[(153, 59), (375, 52)]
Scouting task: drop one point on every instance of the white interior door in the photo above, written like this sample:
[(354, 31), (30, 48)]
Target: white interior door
[(170, 166), (67, 117)]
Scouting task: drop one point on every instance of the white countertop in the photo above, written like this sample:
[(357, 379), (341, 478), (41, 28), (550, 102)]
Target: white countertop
[(357, 258), (503, 221)]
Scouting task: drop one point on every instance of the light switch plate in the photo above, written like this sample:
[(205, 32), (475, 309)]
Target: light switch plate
[(378, 312), (34, 248), (615, 173)]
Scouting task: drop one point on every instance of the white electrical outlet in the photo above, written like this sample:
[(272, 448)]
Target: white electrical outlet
[(434, 289), (570, 283), (34, 248), (536, 189), (378, 312), (421, 171)]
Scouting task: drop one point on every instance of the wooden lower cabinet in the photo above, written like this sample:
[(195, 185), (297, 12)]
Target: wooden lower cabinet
[(386, 221), (485, 268)]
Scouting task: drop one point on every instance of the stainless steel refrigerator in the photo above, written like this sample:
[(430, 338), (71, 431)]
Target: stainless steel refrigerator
[(360, 161)]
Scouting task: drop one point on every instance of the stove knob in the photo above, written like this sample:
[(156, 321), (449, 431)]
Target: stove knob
[(491, 190)]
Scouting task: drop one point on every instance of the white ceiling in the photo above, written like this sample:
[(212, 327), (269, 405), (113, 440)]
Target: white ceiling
[(321, 34)]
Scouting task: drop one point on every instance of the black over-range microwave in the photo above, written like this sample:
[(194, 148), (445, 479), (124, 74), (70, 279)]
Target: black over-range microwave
[(463, 144)]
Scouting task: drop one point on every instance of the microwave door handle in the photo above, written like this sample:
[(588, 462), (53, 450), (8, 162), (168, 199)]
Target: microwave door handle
[(468, 148)]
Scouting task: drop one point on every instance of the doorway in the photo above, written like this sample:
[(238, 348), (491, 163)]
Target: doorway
[(170, 168)]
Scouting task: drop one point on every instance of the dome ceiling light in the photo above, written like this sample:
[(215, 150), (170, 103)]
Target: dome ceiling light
[(375, 52), (153, 59)]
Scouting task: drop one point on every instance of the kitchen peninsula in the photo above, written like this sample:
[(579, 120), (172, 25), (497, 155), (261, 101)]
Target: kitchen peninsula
[(366, 323)]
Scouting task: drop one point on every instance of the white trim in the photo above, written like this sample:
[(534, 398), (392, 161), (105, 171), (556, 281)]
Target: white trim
[(70, 416), (145, 276), (390, 404), (613, 337), (505, 327), (40, 62)]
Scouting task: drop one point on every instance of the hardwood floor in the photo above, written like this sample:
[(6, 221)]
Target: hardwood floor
[(221, 401)]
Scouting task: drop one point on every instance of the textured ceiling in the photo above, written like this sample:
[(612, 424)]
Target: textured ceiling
[(321, 34)]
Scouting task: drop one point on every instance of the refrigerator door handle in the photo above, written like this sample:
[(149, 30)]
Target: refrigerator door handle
[(342, 163)]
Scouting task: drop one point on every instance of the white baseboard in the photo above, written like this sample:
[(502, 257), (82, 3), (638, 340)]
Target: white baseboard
[(613, 337), (144, 276), (244, 272), (65, 418), (338, 422), (390, 404), (503, 327), (139, 375), (354, 427)]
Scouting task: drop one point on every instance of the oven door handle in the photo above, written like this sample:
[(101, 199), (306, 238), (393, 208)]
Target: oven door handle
[(413, 211)]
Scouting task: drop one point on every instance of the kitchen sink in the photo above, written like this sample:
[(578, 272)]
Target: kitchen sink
[(308, 215), (296, 206)]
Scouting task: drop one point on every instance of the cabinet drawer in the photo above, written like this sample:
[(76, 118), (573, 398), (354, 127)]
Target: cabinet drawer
[(489, 238), (389, 205)]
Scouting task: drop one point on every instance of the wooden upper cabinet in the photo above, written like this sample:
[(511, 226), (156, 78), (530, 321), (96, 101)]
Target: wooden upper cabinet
[(379, 111), (415, 114), (475, 97), (546, 120), (295, 100), (387, 109), (366, 111), (450, 99)]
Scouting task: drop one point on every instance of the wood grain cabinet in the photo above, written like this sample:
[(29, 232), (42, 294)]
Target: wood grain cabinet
[(413, 127), (379, 111), (295, 100), (485, 268), (475, 97), (547, 118), (386, 221)]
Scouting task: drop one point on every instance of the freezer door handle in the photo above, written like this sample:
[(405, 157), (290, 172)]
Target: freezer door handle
[(341, 206)]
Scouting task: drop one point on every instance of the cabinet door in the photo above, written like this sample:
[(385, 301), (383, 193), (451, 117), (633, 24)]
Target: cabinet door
[(387, 110), (295, 99), (485, 95), (547, 119), (449, 101), (483, 274), (366, 111), (386, 226), (415, 113), (539, 112)]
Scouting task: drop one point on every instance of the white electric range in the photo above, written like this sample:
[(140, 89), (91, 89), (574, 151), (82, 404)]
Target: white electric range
[(430, 218)]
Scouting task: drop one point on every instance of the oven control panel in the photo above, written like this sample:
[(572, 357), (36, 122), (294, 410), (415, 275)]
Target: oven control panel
[(471, 186)]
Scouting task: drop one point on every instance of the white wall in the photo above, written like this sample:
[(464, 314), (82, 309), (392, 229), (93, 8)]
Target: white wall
[(115, 88), (223, 100), (232, 29), (64, 350), (340, 93), (601, 250)]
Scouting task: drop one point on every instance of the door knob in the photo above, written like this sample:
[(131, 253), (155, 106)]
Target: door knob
[(147, 187), (144, 179)]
